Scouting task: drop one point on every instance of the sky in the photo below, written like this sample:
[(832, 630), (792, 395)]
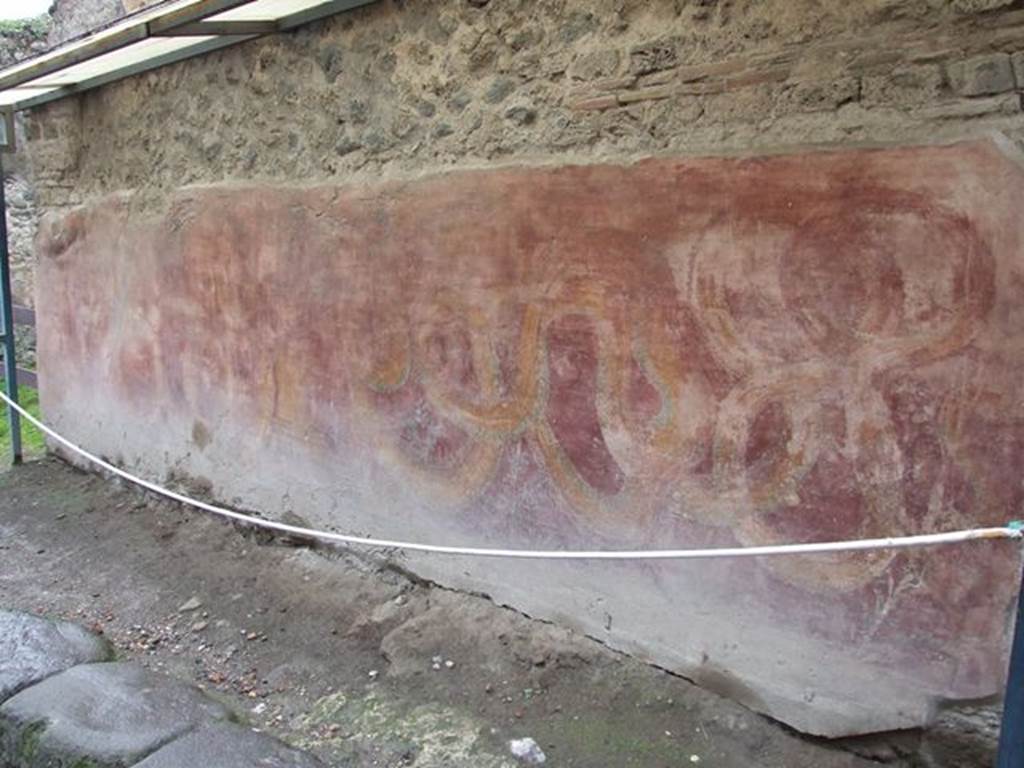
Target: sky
[(23, 9)]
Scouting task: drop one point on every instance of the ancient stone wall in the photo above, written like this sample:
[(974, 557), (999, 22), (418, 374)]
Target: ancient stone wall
[(407, 88), (605, 273), (72, 18), (20, 40)]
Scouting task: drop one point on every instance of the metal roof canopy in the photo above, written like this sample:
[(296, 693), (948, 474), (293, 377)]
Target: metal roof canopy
[(169, 32)]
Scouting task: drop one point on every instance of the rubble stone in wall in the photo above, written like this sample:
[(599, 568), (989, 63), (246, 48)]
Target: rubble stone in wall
[(18, 42), (904, 88), (1017, 60), (984, 75), (655, 56), (979, 6), (73, 17), (413, 87), (22, 223)]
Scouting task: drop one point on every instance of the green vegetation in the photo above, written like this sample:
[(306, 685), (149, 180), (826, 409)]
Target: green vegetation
[(29, 746), (32, 443), (36, 26)]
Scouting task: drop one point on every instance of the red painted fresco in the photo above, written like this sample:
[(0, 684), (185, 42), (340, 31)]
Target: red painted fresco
[(791, 348)]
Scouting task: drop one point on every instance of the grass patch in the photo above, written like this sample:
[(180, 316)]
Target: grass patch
[(32, 442)]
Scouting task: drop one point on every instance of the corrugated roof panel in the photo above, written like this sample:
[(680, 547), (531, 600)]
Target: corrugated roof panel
[(168, 32), (12, 96), (130, 56), (103, 35)]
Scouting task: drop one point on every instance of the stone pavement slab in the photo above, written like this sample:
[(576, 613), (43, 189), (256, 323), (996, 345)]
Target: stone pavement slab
[(33, 648), (224, 745), (102, 715)]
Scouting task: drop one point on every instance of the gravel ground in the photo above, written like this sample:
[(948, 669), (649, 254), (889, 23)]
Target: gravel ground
[(343, 656)]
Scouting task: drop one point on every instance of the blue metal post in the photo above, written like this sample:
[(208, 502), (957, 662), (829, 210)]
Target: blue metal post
[(1011, 730), (7, 328)]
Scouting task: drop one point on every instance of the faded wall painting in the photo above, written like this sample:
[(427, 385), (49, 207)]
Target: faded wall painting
[(698, 352)]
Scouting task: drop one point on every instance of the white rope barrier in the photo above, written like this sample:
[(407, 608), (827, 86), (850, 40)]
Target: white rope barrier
[(1010, 531)]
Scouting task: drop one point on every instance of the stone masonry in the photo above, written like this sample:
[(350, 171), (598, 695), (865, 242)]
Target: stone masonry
[(401, 89), (19, 41)]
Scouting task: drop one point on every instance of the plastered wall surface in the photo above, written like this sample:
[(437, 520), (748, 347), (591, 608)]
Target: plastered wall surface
[(671, 352)]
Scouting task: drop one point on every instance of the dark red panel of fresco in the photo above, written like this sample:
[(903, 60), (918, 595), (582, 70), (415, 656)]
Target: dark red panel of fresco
[(748, 350)]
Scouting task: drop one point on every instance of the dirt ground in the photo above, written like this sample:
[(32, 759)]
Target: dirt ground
[(354, 661)]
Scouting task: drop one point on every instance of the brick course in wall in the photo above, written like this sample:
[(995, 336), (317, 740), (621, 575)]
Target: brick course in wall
[(901, 73)]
